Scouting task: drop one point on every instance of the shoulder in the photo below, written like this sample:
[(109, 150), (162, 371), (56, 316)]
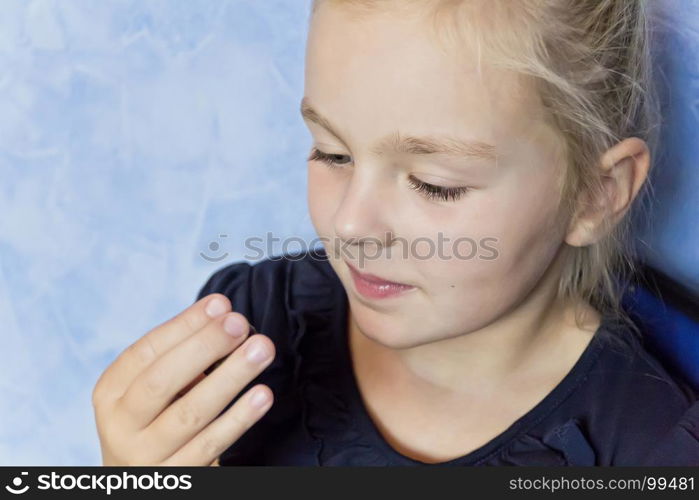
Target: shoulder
[(268, 283), (626, 362), (274, 292), (242, 280), (636, 402), (621, 406)]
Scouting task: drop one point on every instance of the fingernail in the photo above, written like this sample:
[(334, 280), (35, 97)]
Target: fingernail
[(215, 307), (259, 398), (233, 325), (257, 352)]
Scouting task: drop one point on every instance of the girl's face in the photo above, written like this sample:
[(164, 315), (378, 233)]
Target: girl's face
[(385, 86)]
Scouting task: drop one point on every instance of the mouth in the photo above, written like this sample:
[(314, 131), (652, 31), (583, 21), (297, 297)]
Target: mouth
[(375, 287)]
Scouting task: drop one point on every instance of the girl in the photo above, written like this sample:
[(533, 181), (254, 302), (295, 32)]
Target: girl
[(472, 168)]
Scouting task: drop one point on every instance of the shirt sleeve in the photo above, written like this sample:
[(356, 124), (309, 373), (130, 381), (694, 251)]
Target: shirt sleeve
[(680, 446), (233, 282)]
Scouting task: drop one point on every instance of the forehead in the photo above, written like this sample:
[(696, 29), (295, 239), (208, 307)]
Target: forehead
[(376, 70)]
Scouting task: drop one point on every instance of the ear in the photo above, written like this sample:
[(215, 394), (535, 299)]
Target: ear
[(624, 168)]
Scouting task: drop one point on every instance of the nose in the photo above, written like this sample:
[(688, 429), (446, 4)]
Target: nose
[(362, 217)]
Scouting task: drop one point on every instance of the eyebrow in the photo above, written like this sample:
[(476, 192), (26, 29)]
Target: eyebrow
[(426, 145)]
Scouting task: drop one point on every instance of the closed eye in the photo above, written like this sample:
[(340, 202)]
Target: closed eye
[(430, 191), (437, 192), (332, 160)]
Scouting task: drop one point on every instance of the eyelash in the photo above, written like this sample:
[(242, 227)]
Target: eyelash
[(428, 190)]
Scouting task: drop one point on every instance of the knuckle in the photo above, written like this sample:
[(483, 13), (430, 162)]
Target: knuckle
[(230, 374), (186, 321), (187, 415), (142, 350), (204, 347), (102, 393), (97, 396), (239, 419), (155, 383), (97, 399), (209, 447)]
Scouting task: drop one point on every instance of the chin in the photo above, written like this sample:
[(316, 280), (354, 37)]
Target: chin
[(391, 334), (396, 342)]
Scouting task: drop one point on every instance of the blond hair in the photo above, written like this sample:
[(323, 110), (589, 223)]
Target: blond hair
[(591, 62)]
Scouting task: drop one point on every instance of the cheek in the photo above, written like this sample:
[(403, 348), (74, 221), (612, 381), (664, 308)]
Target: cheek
[(523, 228), (523, 213), (324, 195), (533, 228)]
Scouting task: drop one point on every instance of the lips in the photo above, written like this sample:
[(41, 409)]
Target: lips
[(375, 287), (373, 278)]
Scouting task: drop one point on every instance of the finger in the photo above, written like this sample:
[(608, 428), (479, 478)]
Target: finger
[(156, 387), (187, 416), (142, 353), (225, 430), (251, 331), (189, 387)]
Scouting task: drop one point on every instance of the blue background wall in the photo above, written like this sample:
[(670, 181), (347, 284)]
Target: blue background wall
[(670, 238), (133, 134)]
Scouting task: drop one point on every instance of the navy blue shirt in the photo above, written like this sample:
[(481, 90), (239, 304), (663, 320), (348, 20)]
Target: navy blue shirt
[(617, 406)]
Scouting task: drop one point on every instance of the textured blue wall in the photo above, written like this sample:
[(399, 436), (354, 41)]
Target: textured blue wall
[(670, 235), (132, 135)]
